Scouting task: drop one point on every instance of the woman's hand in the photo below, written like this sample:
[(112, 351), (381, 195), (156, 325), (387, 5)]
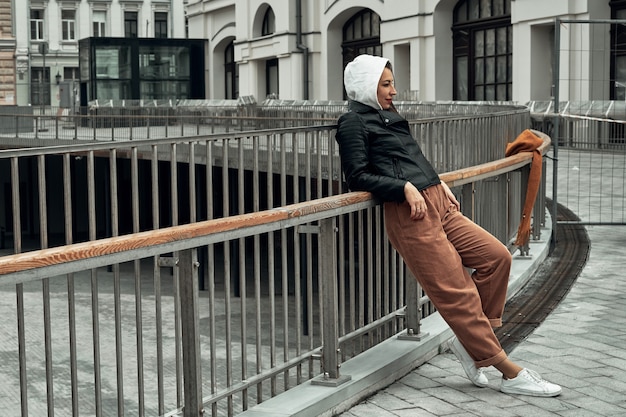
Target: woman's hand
[(451, 196), (416, 201)]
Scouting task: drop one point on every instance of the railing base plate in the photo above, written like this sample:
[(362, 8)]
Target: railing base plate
[(415, 337), (330, 382)]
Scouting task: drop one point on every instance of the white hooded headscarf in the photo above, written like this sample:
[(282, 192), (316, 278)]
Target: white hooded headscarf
[(361, 77)]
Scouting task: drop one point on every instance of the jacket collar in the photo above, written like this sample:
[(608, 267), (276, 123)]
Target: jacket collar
[(387, 116)]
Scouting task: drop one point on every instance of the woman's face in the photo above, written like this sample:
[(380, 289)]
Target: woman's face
[(386, 89)]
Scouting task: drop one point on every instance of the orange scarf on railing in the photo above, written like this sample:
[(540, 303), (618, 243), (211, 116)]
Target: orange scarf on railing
[(527, 141)]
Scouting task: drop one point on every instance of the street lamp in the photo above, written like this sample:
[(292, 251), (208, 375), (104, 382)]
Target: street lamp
[(58, 78), (43, 50)]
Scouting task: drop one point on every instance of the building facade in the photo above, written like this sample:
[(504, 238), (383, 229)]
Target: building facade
[(296, 49), (441, 49), (7, 51), (46, 53)]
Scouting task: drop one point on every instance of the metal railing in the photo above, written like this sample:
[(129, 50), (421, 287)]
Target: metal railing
[(135, 120), (200, 274)]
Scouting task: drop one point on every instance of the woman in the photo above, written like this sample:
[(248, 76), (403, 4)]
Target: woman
[(424, 224)]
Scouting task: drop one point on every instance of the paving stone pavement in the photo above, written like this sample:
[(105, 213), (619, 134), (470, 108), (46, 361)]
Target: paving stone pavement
[(580, 346)]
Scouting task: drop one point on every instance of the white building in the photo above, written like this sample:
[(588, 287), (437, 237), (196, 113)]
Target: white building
[(55, 26), (441, 49), (296, 49)]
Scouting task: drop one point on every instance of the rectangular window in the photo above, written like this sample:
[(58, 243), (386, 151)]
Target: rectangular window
[(99, 23), (71, 74), (68, 24), (130, 24), (36, 24), (160, 25)]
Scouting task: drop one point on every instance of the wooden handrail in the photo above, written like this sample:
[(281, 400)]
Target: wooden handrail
[(108, 246)]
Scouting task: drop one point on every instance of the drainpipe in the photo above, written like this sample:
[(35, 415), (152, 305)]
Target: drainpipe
[(305, 51)]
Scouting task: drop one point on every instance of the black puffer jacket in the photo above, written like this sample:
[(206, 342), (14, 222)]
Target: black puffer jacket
[(378, 153)]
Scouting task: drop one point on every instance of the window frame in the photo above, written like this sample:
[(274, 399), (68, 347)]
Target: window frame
[(159, 24), (357, 41), (39, 24), (231, 73), (268, 26), (132, 22), (100, 24), (618, 51), (475, 68), (68, 26)]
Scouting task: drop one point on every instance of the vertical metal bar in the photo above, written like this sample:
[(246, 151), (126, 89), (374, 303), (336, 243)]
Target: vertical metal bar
[(330, 349), (192, 361), (467, 199), (361, 277), (556, 125), (176, 280), (242, 273), (271, 269), (377, 264), (309, 254), (19, 288), (154, 164), (192, 182), (257, 267), (227, 276), (525, 174), (284, 269), (71, 299), (91, 203), (412, 313), (134, 179), (394, 277), (210, 282), (131, 123), (119, 356), (341, 253), (43, 235), (369, 224), (297, 276), (318, 194), (352, 261)]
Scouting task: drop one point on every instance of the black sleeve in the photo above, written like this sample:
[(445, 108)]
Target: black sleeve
[(360, 175)]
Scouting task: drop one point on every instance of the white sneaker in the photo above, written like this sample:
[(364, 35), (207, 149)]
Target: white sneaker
[(474, 374), (529, 382)]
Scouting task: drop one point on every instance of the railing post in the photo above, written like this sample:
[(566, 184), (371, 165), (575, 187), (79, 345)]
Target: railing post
[(192, 374), (525, 174), (330, 316), (467, 200), (412, 312)]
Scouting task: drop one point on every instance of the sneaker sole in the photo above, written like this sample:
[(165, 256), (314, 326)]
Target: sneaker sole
[(530, 393), (458, 355)]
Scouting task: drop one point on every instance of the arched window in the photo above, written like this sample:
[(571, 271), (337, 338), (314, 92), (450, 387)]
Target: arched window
[(361, 35), (483, 50), (231, 73), (269, 23), (618, 52)]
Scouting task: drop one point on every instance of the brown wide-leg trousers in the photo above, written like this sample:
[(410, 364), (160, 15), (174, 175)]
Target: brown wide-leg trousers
[(437, 249)]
